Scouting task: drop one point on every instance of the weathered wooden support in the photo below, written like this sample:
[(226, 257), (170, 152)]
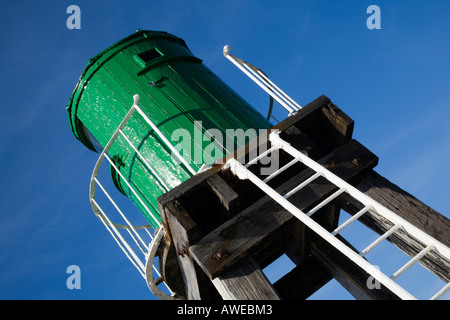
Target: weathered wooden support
[(183, 231), (302, 281), (411, 209), (169, 267), (227, 196), (253, 226), (357, 282), (245, 282), (222, 231), (405, 205)]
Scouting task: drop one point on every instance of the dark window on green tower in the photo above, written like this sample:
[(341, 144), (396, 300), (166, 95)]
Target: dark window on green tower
[(88, 135), (149, 55)]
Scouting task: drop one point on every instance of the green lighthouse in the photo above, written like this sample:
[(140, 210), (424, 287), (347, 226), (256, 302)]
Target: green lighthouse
[(177, 92)]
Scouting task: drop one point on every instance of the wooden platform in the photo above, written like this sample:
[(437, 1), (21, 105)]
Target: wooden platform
[(223, 231)]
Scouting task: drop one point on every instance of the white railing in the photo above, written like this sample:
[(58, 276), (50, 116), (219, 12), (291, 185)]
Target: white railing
[(263, 81), (370, 205), (143, 260)]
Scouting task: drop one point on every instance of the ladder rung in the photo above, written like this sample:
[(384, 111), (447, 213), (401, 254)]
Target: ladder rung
[(326, 201), (416, 258), (262, 155), (351, 220), (129, 186), (302, 185), (285, 167), (441, 292), (380, 239)]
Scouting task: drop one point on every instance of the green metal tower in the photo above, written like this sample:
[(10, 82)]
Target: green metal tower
[(177, 92)]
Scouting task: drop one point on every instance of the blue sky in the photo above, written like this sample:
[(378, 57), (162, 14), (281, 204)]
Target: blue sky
[(394, 82)]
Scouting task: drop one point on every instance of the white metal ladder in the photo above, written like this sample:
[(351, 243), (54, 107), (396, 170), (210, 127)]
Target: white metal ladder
[(370, 205)]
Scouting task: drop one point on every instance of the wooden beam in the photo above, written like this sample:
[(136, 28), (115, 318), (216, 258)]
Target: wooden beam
[(409, 208), (185, 187), (227, 196), (304, 113), (323, 123), (248, 229), (339, 125), (354, 279), (293, 238), (302, 281), (290, 239), (245, 281), (168, 265), (321, 266), (183, 230), (406, 206)]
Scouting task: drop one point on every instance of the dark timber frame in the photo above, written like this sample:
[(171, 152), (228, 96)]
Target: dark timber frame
[(221, 231)]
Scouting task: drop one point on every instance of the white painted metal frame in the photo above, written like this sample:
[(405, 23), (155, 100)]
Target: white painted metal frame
[(151, 282), (431, 244), (143, 261), (263, 81)]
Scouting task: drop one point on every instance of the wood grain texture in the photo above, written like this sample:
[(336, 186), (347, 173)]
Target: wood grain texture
[(253, 225)]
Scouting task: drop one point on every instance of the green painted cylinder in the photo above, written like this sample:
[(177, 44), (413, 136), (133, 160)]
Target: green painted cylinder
[(178, 93)]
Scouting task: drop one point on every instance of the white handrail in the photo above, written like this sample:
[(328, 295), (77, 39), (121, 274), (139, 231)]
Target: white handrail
[(151, 282), (134, 232), (165, 187), (263, 82), (167, 142), (147, 248)]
